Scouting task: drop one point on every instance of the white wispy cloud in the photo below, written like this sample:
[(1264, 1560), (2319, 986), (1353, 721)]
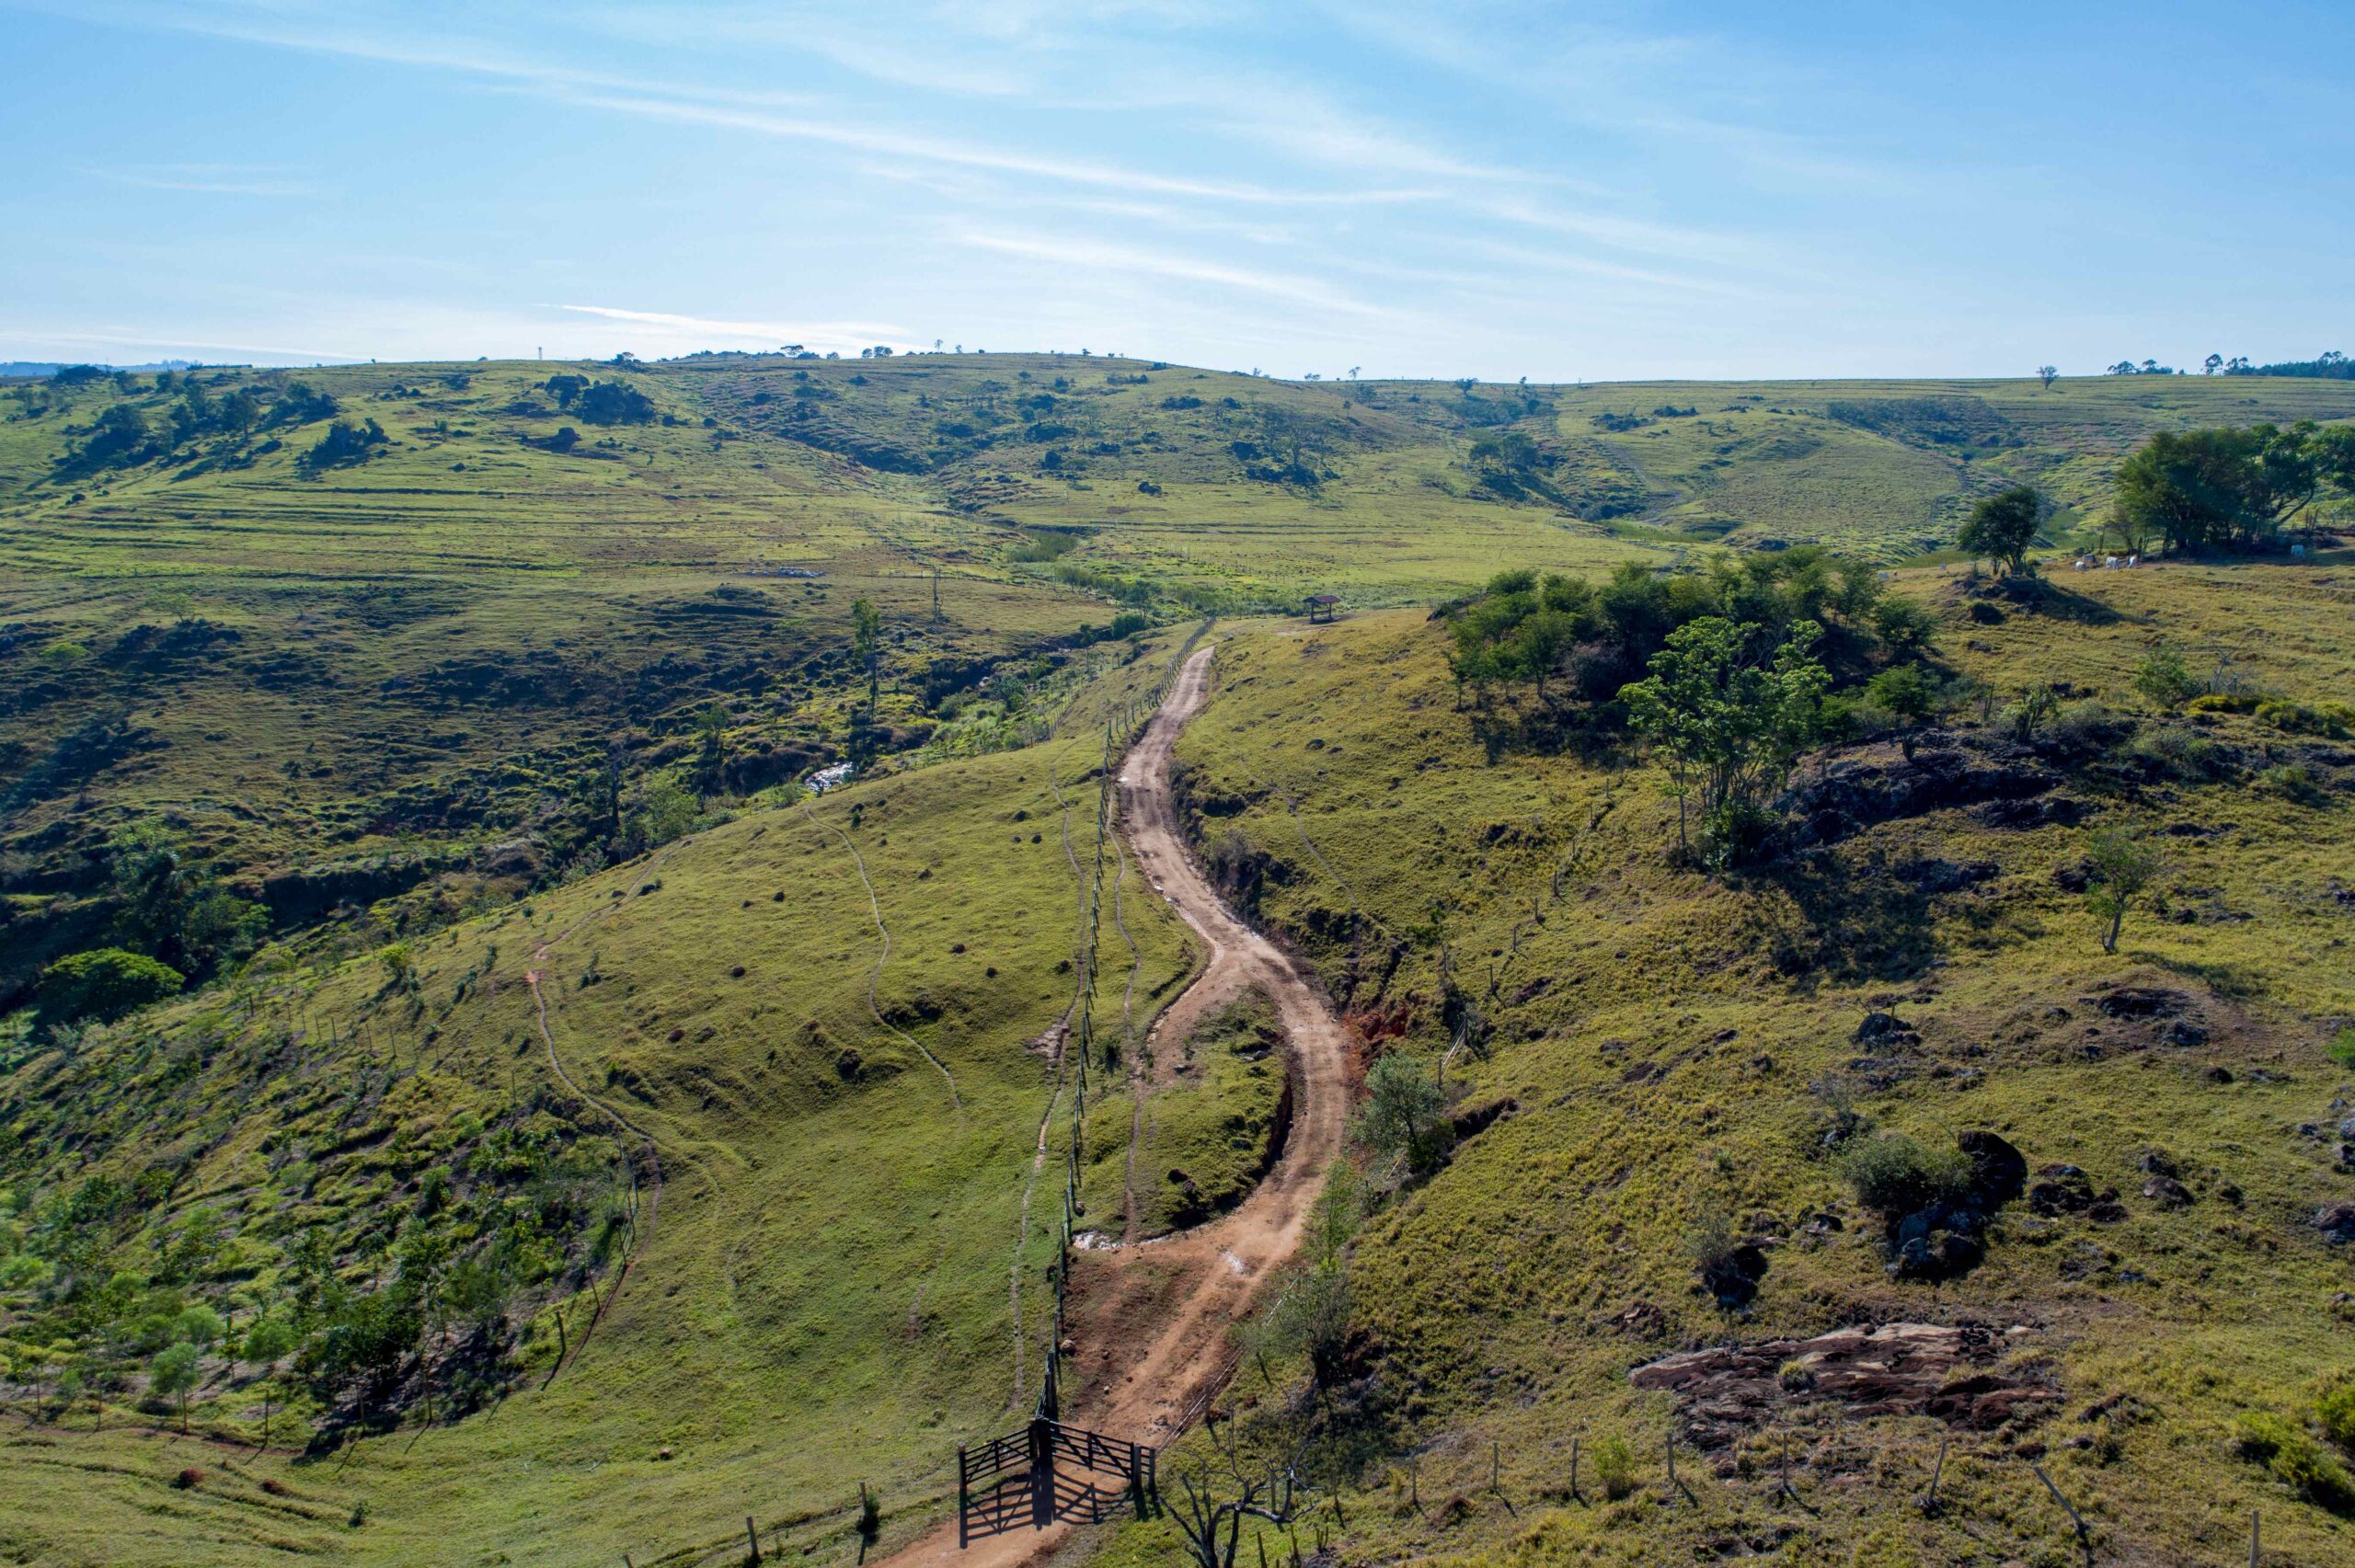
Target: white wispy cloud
[(42, 342), (813, 334), (858, 136), (785, 115), (1084, 254)]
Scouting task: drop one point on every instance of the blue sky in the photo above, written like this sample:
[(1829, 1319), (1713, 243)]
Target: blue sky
[(1470, 189)]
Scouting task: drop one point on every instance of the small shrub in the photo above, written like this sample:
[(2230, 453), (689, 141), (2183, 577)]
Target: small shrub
[(2177, 753), (2336, 1408), (2332, 721), (1895, 1174), (189, 1480), (2032, 711), (2292, 781), (2342, 1046), (1614, 1467), (2083, 727), (2296, 1461), (2165, 678), (359, 1514), (2223, 703)]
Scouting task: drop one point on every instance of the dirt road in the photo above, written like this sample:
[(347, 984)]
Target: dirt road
[(1148, 1322)]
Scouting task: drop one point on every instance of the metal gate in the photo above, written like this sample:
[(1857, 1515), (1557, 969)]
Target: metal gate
[(1047, 1472)]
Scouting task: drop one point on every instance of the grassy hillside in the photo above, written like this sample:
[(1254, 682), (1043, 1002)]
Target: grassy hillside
[(699, 1121), (1678, 1053), (825, 1291), (361, 673)]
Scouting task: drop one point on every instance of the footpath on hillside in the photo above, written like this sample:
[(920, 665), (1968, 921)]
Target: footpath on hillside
[(1147, 1322)]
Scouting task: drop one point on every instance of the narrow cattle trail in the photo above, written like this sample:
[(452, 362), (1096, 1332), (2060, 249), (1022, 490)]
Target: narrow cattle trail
[(639, 1232), (1149, 1320), (883, 956)]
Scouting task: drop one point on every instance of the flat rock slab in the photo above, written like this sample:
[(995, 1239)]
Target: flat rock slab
[(1895, 1370)]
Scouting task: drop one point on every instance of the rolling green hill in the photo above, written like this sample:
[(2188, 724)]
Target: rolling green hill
[(645, 1143), (1676, 1058)]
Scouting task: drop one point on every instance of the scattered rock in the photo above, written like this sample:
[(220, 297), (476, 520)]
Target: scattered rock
[(1998, 1171), (1641, 1319), (2051, 811), (2336, 1223), (1732, 1275), (2183, 1033), (1884, 1028), (2066, 1190), (1896, 1369), (1939, 1256), (2167, 1193), (2141, 1002), (1855, 792)]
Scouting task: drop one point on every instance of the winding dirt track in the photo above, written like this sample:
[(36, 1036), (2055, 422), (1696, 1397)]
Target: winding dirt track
[(1149, 1322)]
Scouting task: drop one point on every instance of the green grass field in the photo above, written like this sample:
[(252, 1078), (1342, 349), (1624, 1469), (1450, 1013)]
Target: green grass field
[(1661, 1035), (355, 692)]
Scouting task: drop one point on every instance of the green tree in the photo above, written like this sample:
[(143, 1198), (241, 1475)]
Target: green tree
[(1905, 626), (663, 812), (2164, 678), (1727, 724), (269, 1341), (711, 749), (615, 403), (199, 1325), (398, 960), (2120, 866), (103, 983), (2225, 489), (1906, 697), (345, 442), (120, 435), (173, 1375), (866, 647), (1540, 643), (2003, 526), (1403, 1118)]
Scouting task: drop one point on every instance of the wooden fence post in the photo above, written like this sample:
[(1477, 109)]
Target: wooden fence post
[(2253, 1518), (753, 1537), (1574, 1470)]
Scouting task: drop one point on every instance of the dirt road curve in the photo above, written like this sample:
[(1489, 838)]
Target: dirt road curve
[(1149, 1322)]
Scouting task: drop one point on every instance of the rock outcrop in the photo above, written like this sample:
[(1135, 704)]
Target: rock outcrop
[(1950, 1373)]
